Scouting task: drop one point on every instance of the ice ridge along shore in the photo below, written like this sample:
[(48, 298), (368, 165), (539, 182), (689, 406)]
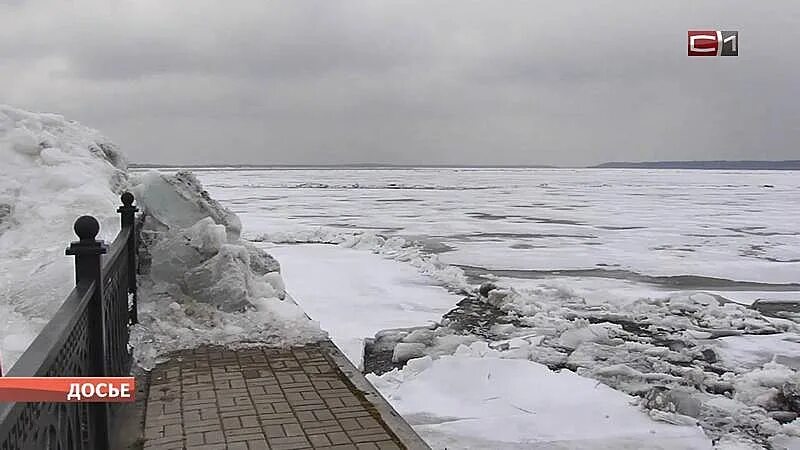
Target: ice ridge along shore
[(685, 357), (204, 284)]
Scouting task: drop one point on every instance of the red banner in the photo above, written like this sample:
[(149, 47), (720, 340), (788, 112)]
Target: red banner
[(68, 389)]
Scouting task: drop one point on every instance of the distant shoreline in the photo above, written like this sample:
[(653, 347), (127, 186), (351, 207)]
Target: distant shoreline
[(705, 165), (674, 165)]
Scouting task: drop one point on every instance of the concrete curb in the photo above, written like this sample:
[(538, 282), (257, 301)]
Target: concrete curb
[(401, 429), (129, 423)]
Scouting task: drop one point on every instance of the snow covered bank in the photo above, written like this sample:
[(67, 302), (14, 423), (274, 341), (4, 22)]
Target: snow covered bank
[(206, 285), (476, 399), (53, 170)]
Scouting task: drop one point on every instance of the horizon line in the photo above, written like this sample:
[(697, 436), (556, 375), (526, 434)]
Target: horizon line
[(667, 164)]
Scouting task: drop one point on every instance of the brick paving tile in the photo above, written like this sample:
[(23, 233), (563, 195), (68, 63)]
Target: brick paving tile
[(338, 438), (329, 429), (369, 438), (258, 399), (257, 444)]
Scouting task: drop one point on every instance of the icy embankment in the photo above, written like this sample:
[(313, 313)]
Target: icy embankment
[(687, 358), (205, 284), (52, 171), (664, 351)]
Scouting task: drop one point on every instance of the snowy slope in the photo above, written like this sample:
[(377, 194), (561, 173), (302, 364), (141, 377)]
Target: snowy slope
[(53, 170)]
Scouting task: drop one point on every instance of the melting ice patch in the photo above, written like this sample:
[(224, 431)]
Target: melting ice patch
[(205, 285), (170, 320)]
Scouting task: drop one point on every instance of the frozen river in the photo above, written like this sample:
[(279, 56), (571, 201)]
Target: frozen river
[(607, 233)]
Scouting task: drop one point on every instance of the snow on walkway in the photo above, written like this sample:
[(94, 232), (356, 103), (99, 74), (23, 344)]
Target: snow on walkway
[(354, 294), (470, 400)]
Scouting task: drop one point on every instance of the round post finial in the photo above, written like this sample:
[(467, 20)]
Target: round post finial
[(86, 227), (127, 198)]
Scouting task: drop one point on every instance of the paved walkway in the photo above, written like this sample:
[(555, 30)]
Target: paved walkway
[(264, 398)]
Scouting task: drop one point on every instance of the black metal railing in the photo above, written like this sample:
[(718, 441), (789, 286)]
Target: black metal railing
[(88, 336)]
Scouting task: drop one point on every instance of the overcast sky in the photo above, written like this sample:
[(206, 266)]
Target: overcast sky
[(410, 82)]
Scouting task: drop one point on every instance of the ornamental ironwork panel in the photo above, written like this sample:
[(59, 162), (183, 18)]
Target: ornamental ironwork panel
[(55, 425), (115, 311), (88, 336)]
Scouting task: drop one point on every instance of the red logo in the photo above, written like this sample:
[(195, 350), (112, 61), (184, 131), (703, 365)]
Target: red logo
[(704, 43), (713, 43)]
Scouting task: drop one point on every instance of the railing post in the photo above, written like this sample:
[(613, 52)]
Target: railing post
[(128, 219), (88, 269)]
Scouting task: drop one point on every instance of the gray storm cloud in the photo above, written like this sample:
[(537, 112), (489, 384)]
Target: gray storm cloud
[(428, 82)]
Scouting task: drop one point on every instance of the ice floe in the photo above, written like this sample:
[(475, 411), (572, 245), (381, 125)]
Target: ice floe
[(475, 399)]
